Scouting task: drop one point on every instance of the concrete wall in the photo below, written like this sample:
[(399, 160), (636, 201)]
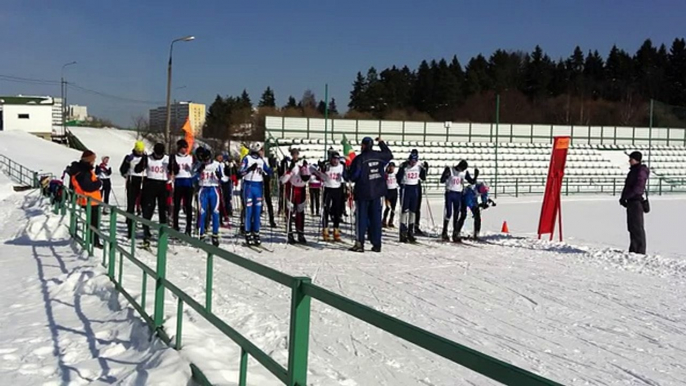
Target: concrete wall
[(39, 118)]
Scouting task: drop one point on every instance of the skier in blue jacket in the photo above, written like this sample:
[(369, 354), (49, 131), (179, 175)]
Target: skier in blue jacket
[(253, 168), (209, 174), (368, 174)]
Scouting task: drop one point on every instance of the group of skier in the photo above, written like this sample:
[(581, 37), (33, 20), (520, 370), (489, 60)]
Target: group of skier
[(172, 183)]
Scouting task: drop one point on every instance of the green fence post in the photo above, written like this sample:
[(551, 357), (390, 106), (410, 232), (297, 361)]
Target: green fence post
[(87, 234), (72, 212), (179, 323), (659, 187), (517, 187), (469, 137), (424, 131), (298, 340), (36, 183), (402, 138), (243, 374), (161, 276), (208, 282), (113, 244), (144, 290)]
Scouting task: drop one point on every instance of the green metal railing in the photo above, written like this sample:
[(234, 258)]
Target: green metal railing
[(18, 172), (302, 292)]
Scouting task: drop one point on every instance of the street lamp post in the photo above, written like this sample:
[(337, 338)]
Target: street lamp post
[(167, 135), (63, 95)]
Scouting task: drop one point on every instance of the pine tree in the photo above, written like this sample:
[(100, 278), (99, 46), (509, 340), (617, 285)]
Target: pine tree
[(594, 74), (358, 100), (423, 88), (245, 100), (538, 73), (308, 101), (476, 76), (333, 110), (291, 104), (676, 72), (268, 99), (321, 107)]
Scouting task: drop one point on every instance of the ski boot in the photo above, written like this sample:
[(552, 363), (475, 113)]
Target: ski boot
[(418, 231), (411, 238), (256, 239), (384, 224), (301, 238), (291, 239), (97, 244), (249, 239), (146, 244), (203, 238), (325, 235), (337, 235), (272, 224), (376, 249), (390, 221), (456, 237), (403, 237), (215, 240), (357, 247)]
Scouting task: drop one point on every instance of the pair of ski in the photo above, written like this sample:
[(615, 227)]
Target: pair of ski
[(257, 248)]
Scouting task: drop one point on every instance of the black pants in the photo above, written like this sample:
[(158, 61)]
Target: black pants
[(154, 191), (334, 201), (95, 222), (184, 193), (106, 189), (315, 200), (281, 198), (267, 192), (391, 200), (227, 195), (133, 190), (476, 211), (635, 223)]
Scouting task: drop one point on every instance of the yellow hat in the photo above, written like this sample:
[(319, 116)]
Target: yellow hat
[(139, 146)]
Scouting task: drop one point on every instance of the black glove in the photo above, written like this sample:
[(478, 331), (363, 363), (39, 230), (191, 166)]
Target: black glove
[(252, 167), (623, 202), (201, 167), (425, 165), (476, 173)]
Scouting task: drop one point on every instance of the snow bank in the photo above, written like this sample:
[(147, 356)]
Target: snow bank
[(63, 321)]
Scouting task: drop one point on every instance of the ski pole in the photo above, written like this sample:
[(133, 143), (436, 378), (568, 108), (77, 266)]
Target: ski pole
[(426, 201)]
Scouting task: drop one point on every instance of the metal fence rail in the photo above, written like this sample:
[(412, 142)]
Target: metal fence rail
[(18, 172), (302, 293)]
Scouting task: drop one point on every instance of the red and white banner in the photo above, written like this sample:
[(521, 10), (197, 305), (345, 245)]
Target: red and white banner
[(552, 208)]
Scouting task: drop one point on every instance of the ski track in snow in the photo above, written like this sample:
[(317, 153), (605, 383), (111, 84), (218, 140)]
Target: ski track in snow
[(580, 315)]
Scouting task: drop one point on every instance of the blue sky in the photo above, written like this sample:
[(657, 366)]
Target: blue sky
[(121, 46)]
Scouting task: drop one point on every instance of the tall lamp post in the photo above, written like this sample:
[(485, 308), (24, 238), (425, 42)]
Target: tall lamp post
[(167, 136), (63, 94)]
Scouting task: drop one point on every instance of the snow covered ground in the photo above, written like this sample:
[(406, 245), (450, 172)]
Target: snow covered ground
[(583, 313), (63, 323)]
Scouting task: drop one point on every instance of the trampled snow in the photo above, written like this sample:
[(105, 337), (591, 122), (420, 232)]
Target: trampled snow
[(581, 313), (63, 323)]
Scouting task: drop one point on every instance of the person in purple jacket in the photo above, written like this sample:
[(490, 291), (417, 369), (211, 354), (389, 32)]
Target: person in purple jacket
[(632, 199)]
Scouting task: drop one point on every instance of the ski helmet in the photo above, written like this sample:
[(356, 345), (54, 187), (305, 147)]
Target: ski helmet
[(462, 165), (333, 154), (181, 143), (255, 147)]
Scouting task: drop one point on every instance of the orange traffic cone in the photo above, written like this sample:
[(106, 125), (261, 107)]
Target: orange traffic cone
[(505, 229)]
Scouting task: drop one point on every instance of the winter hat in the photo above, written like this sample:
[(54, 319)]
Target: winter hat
[(463, 165), (368, 142), (413, 156), (391, 164), (158, 149), (181, 143), (88, 156), (139, 146), (636, 156)]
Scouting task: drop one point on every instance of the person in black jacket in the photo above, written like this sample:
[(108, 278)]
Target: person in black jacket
[(85, 182), (367, 172), (134, 180), (104, 171), (632, 199)]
